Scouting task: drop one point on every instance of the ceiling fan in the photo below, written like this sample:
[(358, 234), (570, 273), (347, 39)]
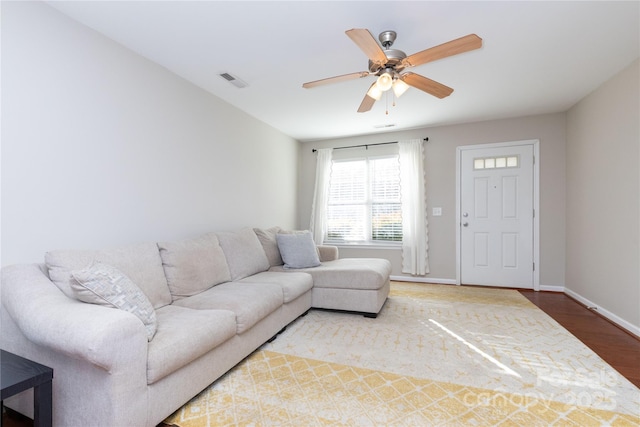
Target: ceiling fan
[(390, 64)]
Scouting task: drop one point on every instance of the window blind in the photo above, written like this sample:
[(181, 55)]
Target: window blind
[(364, 201)]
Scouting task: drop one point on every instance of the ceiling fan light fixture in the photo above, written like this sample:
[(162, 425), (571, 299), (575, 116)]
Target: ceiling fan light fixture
[(399, 87), (374, 92), (384, 82)]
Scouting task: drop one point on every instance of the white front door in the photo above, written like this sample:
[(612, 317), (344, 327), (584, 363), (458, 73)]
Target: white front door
[(496, 202)]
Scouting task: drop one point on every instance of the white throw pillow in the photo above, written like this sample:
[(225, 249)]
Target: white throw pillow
[(105, 285), (298, 250), (139, 262)]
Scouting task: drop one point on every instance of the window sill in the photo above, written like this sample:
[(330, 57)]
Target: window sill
[(384, 246)]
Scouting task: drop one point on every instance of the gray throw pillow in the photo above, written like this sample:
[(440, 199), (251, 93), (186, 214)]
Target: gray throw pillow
[(298, 250), (105, 285)]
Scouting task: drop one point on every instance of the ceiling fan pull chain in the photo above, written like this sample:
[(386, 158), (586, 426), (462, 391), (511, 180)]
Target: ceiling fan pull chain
[(386, 102)]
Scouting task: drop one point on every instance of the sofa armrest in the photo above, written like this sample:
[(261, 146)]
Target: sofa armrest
[(47, 317), (327, 253)]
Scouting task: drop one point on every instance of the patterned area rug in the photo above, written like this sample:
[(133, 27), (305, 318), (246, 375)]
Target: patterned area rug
[(436, 355)]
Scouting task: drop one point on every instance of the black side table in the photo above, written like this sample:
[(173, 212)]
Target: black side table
[(19, 374)]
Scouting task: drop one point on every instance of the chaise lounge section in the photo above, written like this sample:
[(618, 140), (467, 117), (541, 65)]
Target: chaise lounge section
[(349, 284), (188, 312)]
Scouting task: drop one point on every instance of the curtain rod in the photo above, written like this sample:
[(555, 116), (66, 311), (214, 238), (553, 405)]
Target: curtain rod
[(313, 150)]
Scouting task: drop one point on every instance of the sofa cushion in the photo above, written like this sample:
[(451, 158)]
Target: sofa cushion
[(104, 285), (298, 250), (327, 252), (293, 284), (141, 263), (348, 273), (184, 335), (193, 265), (267, 238), (243, 252), (251, 302)]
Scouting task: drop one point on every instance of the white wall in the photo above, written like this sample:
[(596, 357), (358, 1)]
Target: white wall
[(101, 147), (603, 198), (440, 153)]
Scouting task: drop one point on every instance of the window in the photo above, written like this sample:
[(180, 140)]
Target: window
[(364, 201), (495, 162)]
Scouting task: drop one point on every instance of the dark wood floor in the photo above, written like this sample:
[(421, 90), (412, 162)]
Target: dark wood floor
[(617, 347)]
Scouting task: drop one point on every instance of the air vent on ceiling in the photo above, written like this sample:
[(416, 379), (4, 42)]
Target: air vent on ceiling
[(388, 125), (233, 80)]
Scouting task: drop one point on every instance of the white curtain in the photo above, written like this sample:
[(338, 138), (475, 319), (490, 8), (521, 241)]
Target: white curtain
[(321, 195), (415, 241)]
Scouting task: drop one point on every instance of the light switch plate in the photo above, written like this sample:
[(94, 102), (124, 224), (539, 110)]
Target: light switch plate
[(437, 211)]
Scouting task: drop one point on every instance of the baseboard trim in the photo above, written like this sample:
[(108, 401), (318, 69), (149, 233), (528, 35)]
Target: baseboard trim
[(632, 329), (423, 280), (552, 288)]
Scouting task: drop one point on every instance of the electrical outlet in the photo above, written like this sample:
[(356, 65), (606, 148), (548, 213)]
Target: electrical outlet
[(437, 212)]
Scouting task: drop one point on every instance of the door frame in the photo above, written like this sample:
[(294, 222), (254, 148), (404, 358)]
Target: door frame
[(535, 143)]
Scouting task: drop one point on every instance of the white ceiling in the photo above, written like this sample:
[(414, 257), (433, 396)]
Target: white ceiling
[(537, 57)]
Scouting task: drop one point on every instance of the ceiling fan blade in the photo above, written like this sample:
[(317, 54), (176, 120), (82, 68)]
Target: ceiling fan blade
[(336, 79), (367, 102), (427, 85), (368, 44), (454, 47)]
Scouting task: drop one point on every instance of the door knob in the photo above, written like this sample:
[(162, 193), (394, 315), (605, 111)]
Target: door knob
[(465, 224)]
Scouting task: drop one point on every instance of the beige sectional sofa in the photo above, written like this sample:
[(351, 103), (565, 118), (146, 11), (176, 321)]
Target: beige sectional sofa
[(188, 312)]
